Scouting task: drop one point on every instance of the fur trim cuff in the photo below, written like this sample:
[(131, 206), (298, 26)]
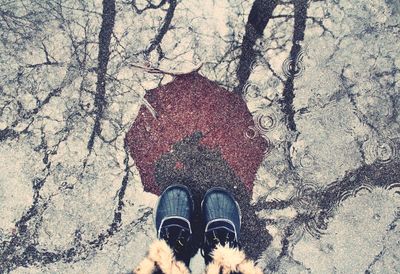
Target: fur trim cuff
[(229, 260), (161, 257)]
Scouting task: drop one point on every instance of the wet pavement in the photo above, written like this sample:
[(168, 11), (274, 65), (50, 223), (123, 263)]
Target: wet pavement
[(313, 85)]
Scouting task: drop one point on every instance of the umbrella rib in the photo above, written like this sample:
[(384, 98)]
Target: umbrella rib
[(149, 107)]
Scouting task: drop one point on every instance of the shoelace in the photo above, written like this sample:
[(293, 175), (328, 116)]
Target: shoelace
[(177, 238)]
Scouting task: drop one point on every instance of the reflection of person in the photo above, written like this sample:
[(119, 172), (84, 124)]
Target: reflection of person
[(221, 251)]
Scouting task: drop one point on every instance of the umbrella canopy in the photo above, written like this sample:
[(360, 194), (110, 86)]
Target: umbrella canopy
[(191, 107)]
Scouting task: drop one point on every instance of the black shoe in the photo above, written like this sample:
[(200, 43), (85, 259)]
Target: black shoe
[(172, 218), (222, 218)]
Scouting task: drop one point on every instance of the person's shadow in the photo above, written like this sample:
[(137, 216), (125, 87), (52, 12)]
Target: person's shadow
[(199, 168)]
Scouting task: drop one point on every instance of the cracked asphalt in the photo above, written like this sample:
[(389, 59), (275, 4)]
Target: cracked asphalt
[(319, 81)]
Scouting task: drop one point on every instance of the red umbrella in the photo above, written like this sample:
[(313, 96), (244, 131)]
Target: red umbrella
[(191, 104)]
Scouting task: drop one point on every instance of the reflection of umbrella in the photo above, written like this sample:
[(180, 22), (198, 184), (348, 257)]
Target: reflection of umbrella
[(193, 105)]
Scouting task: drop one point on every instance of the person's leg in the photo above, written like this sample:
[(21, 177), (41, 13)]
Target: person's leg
[(221, 248), (173, 213)]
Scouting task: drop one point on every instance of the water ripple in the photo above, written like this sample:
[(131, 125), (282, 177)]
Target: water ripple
[(382, 150), (294, 66)]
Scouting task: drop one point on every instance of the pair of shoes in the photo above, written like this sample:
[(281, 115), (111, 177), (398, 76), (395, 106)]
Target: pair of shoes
[(221, 216)]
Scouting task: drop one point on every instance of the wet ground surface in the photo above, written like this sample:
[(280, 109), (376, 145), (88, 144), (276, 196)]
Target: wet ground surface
[(320, 78)]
